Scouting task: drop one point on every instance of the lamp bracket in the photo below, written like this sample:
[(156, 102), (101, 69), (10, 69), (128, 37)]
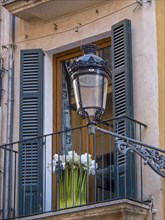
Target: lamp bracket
[(153, 156)]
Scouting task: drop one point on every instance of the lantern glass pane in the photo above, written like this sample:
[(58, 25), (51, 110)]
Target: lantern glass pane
[(105, 88), (76, 93), (93, 90)]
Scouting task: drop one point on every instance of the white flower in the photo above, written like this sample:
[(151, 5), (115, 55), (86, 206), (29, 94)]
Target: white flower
[(73, 160), (72, 157), (68, 157), (93, 167), (85, 158), (76, 158)]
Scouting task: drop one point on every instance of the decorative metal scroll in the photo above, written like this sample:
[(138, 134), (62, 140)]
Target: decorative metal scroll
[(153, 156)]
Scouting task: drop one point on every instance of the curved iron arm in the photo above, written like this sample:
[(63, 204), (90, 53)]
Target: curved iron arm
[(153, 156)]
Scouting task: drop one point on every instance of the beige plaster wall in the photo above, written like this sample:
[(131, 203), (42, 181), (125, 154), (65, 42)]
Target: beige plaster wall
[(160, 19), (36, 34)]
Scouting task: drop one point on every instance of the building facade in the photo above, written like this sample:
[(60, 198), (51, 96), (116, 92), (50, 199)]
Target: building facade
[(38, 41)]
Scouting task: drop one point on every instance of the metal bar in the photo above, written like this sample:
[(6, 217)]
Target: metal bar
[(125, 163), (95, 178), (7, 149), (73, 185), (134, 120), (44, 172), (58, 174), (81, 173), (31, 159), (102, 146), (141, 169), (87, 150), (24, 185), (122, 117), (10, 181), (110, 165), (15, 177), (51, 143), (117, 168)]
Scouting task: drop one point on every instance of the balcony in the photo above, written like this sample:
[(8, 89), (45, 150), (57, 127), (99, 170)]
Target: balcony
[(47, 9), (88, 176)]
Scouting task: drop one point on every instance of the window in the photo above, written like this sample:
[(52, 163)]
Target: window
[(31, 111)]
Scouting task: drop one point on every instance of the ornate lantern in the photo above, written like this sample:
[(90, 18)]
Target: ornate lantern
[(89, 74)]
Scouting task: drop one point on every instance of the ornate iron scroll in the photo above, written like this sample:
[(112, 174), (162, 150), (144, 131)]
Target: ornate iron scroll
[(153, 156)]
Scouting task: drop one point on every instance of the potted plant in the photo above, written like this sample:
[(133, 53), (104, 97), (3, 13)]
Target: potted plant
[(72, 170)]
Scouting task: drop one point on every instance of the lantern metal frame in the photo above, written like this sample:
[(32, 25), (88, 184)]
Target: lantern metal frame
[(93, 65)]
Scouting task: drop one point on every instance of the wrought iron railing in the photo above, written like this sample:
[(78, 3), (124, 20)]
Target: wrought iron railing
[(28, 186)]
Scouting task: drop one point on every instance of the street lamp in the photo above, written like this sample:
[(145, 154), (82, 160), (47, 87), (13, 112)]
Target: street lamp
[(89, 75)]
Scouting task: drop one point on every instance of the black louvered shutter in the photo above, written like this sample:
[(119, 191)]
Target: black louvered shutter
[(31, 126), (123, 105)]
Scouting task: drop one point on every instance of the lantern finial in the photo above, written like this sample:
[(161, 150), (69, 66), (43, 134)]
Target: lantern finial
[(89, 48)]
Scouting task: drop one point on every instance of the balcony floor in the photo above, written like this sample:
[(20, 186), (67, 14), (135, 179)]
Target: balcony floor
[(118, 209)]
